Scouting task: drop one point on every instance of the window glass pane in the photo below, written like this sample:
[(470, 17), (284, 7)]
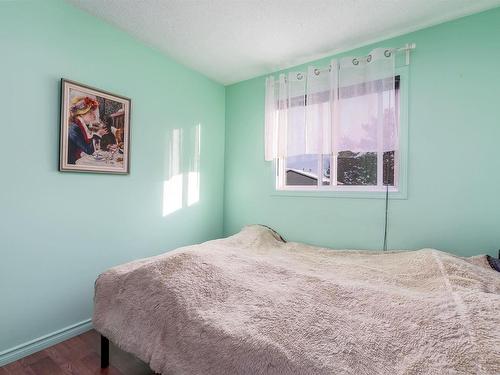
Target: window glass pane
[(389, 168), (326, 170), (296, 131), (357, 168), (359, 140), (358, 119), (302, 170)]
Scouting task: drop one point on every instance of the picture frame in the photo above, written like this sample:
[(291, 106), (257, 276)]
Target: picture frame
[(94, 130)]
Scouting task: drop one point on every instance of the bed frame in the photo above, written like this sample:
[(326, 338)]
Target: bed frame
[(104, 352)]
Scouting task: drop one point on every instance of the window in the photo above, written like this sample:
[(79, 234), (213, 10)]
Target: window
[(365, 156)]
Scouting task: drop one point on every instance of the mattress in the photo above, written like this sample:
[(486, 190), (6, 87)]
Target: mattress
[(255, 304)]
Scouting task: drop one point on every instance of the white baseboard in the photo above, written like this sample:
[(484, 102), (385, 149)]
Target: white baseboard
[(40, 343)]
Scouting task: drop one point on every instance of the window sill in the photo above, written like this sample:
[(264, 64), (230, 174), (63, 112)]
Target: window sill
[(339, 194)]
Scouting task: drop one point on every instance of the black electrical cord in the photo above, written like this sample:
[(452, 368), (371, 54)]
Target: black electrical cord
[(386, 214), (387, 170), (386, 200)]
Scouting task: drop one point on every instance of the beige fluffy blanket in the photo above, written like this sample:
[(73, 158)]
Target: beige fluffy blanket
[(252, 304)]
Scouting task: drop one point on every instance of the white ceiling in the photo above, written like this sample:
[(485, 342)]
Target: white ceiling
[(233, 40)]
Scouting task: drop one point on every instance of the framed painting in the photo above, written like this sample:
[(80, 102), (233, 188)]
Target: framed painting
[(95, 130)]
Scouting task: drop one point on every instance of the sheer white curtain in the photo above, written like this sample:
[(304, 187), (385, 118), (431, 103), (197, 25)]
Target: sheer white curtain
[(346, 106)]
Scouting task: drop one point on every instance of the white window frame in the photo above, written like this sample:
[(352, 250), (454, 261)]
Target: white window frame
[(399, 190)]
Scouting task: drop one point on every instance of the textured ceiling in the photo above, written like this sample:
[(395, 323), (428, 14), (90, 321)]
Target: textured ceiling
[(233, 40)]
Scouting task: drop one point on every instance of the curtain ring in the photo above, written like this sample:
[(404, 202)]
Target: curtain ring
[(299, 76), (355, 61), (387, 53), (316, 71), (369, 58)]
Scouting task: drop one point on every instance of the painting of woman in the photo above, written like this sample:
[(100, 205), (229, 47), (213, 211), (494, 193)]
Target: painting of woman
[(94, 130), (81, 136)]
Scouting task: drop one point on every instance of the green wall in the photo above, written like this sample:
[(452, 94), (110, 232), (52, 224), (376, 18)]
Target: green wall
[(58, 231), (453, 198)]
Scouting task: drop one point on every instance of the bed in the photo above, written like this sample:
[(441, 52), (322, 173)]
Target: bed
[(255, 304)]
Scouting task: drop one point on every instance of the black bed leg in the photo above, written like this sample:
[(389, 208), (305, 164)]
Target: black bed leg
[(104, 352)]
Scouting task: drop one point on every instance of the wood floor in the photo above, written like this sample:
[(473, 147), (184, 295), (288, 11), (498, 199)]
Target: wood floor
[(79, 355)]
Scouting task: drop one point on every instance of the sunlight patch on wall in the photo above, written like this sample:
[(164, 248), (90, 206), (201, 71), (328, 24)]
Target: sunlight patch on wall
[(194, 174), (182, 187), (172, 188), (172, 194)]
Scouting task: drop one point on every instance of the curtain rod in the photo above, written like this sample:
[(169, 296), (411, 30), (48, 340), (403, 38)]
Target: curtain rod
[(407, 48)]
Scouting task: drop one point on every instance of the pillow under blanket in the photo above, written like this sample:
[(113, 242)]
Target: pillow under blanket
[(494, 262)]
